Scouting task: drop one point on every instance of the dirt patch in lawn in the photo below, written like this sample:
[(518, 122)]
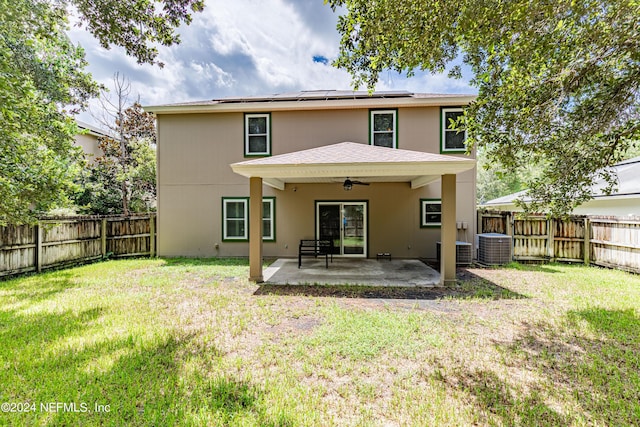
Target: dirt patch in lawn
[(470, 285)]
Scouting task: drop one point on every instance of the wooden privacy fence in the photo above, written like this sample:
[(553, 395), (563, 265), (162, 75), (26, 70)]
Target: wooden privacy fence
[(56, 242), (607, 241)]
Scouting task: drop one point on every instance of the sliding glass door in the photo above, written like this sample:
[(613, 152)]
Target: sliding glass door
[(346, 224)]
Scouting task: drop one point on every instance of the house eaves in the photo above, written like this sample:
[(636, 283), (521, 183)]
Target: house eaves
[(327, 101), (91, 130)]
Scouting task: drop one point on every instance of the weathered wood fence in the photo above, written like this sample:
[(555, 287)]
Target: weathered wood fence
[(607, 241), (56, 242)]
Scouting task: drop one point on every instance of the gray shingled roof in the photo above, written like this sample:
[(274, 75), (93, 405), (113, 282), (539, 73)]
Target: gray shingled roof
[(93, 130), (355, 160), (351, 153), (319, 95)]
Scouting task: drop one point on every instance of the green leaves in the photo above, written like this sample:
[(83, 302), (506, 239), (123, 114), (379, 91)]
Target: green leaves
[(123, 180), (40, 75), (137, 25), (558, 82), (43, 82)]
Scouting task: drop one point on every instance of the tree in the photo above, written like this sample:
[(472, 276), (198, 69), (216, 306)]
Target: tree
[(558, 81), (39, 75), (43, 83), (109, 186), (493, 181), (123, 180), (136, 25)]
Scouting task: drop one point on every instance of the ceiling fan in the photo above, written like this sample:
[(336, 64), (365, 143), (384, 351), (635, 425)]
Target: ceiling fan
[(348, 184)]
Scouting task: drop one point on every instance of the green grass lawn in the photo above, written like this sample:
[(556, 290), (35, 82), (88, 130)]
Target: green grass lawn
[(191, 342)]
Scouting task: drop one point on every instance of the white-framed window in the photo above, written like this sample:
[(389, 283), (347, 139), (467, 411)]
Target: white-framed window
[(235, 219), (451, 139), (257, 134), (269, 219), (384, 132), (430, 213)]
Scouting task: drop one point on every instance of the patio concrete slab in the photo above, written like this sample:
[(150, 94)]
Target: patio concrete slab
[(352, 271)]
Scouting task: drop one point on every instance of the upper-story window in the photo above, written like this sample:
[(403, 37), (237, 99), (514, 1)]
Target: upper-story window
[(384, 125), (452, 141), (257, 134)]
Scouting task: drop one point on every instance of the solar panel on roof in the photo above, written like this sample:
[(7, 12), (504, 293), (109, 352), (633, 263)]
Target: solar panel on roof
[(345, 94), (315, 95)]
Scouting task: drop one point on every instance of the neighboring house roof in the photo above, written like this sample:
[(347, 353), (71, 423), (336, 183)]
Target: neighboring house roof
[(353, 160), (315, 99), (505, 200), (628, 173), (91, 130)]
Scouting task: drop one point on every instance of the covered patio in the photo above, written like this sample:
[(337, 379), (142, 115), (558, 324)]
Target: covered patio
[(355, 161)]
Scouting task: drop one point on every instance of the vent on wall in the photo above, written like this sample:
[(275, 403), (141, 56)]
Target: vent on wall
[(494, 248)]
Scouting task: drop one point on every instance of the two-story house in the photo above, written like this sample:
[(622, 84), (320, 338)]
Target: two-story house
[(375, 173)]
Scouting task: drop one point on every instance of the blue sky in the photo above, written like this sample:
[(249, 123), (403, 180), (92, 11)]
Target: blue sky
[(244, 48)]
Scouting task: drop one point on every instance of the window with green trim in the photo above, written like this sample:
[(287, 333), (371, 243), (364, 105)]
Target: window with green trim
[(269, 219), (257, 137), (430, 212), (452, 139), (235, 218), (383, 128)]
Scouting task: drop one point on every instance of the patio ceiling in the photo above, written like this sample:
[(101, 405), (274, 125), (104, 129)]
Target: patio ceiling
[(357, 161)]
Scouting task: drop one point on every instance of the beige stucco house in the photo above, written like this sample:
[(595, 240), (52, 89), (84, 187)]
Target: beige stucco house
[(88, 139), (376, 173)]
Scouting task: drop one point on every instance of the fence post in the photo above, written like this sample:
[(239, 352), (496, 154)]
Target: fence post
[(103, 237), (38, 253), (550, 233), (152, 236), (587, 241)]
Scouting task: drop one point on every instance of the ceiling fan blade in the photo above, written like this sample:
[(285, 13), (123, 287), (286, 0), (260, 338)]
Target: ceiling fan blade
[(348, 184)]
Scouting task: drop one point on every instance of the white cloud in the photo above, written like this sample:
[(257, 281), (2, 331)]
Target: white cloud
[(246, 47), (425, 82)]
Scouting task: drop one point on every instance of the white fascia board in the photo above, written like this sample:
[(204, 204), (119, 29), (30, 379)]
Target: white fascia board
[(332, 104), (616, 197), (500, 207)]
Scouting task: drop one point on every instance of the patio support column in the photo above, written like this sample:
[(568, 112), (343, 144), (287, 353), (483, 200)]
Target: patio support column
[(255, 229), (448, 230)]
